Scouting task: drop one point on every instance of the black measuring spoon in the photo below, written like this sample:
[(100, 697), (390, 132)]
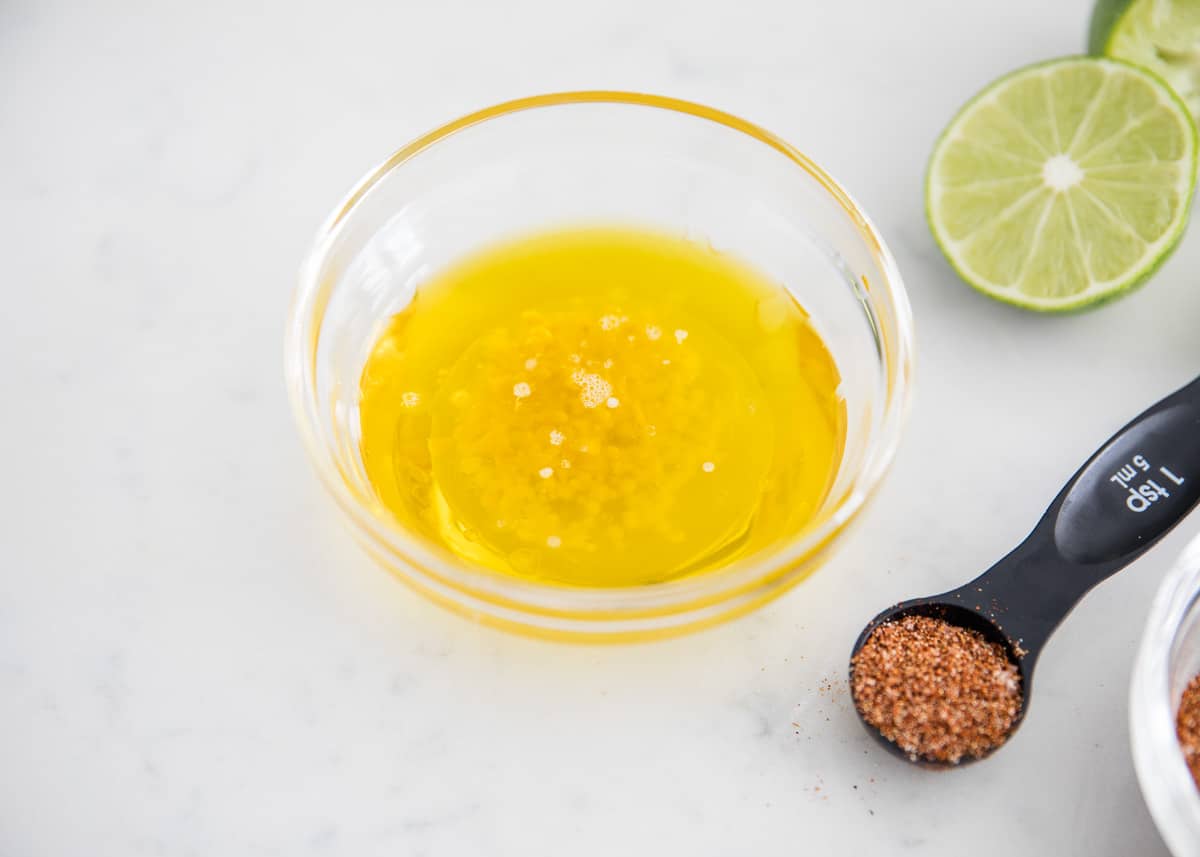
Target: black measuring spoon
[(1127, 496)]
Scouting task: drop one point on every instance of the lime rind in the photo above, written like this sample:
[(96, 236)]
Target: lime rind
[(1106, 15), (1100, 289)]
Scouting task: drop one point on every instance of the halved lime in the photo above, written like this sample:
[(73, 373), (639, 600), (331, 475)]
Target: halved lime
[(1160, 35), (1063, 184)]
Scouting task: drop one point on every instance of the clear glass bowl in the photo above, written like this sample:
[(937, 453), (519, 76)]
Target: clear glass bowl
[(1168, 659), (609, 158)]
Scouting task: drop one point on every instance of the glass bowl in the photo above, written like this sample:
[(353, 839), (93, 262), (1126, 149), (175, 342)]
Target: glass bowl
[(1168, 659), (598, 158)]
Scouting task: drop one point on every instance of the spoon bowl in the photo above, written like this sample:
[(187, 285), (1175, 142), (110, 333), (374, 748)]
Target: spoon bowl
[(952, 613)]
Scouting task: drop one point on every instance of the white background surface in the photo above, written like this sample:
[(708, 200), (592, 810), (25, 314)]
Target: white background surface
[(195, 659)]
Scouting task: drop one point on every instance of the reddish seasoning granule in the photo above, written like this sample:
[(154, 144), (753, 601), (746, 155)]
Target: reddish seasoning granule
[(940, 692), (1187, 727)]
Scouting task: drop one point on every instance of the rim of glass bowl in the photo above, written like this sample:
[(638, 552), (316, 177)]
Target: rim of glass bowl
[(384, 539), (1167, 785)]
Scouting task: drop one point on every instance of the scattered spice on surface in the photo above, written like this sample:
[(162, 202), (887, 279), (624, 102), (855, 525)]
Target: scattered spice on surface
[(834, 690), (1187, 727), (940, 692)]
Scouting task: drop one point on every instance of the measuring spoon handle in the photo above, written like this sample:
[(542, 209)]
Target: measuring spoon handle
[(1127, 496)]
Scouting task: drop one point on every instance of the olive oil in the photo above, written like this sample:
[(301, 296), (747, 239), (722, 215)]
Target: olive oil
[(601, 407)]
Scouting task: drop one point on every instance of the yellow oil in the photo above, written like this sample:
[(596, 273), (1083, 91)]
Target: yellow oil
[(601, 407)]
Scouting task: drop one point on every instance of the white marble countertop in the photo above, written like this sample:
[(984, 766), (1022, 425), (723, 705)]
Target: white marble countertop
[(195, 659)]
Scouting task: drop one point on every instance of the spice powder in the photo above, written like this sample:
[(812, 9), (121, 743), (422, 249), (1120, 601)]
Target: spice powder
[(1187, 727), (940, 692)]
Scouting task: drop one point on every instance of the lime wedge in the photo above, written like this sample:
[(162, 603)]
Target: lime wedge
[(1063, 184), (1160, 35)]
